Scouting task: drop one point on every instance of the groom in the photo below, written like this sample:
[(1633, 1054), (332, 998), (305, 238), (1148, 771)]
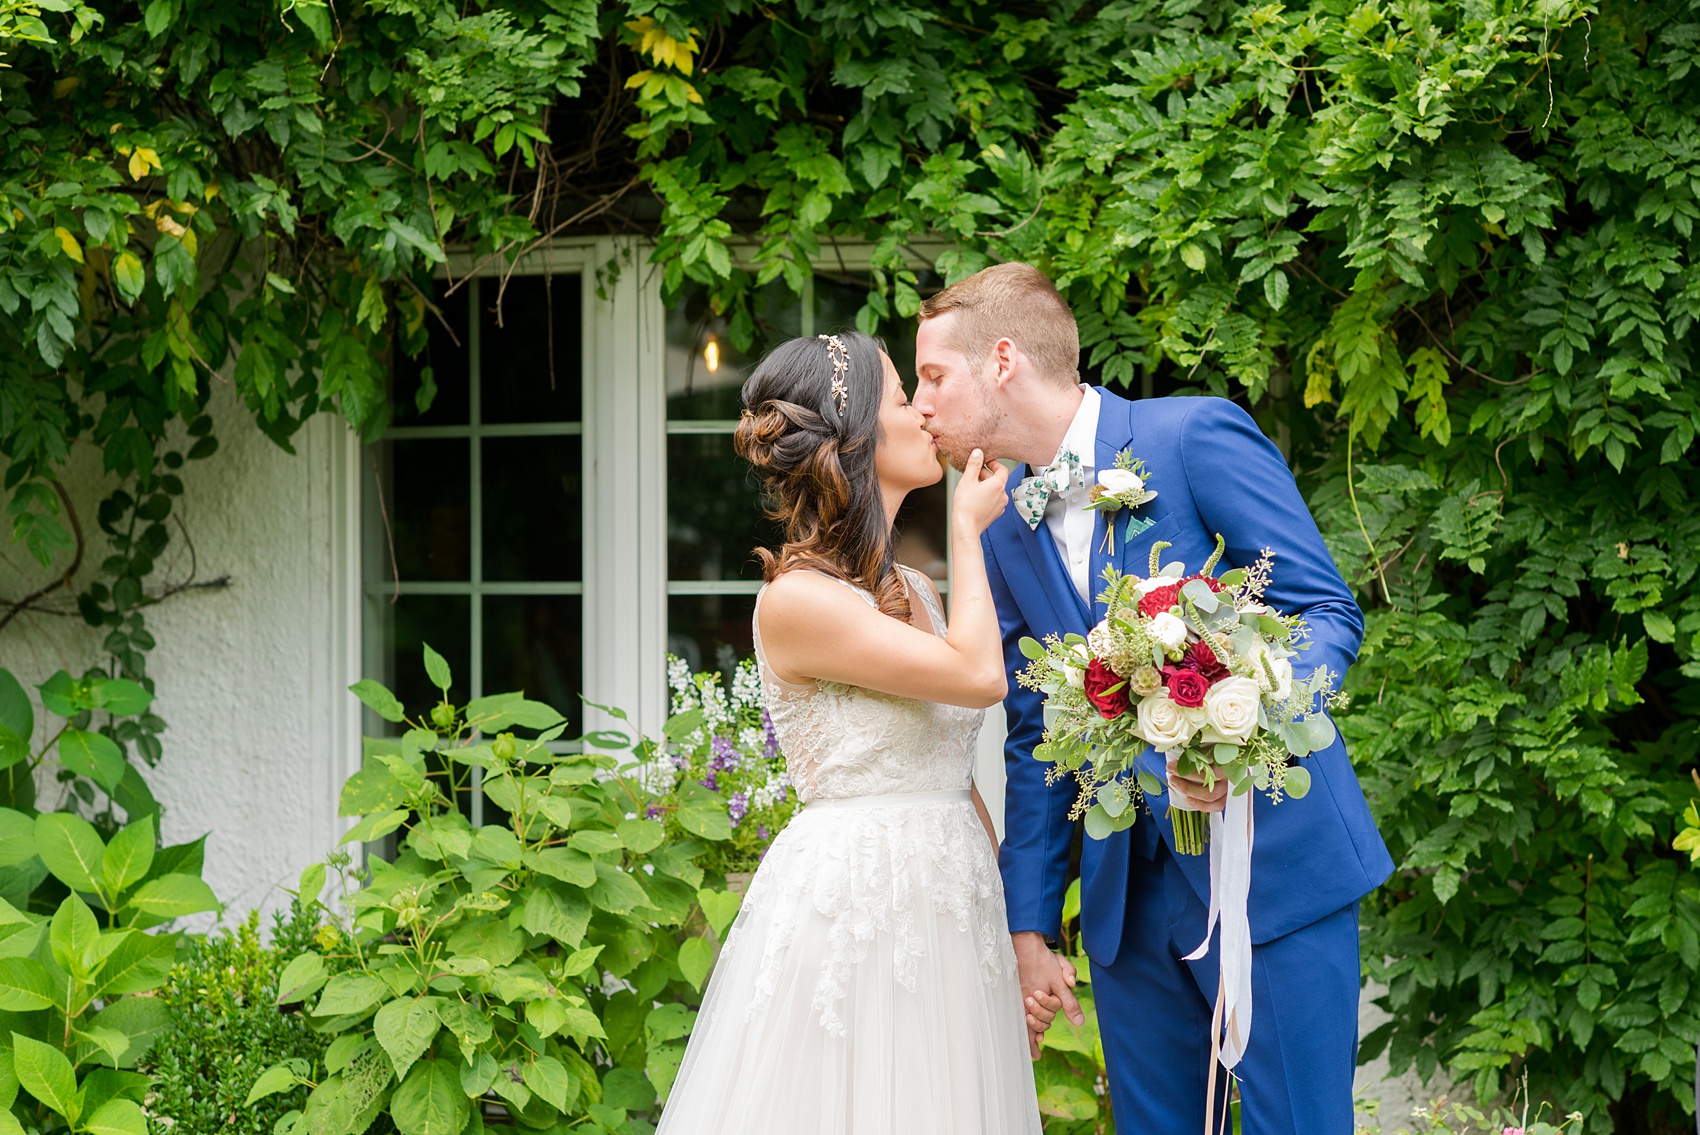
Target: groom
[(996, 359)]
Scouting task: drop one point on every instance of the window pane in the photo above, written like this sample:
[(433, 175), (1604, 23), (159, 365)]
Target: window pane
[(405, 626), (533, 503), (714, 517), (429, 508), (710, 632), (704, 370), (446, 354), (920, 534), (539, 322), (532, 643)]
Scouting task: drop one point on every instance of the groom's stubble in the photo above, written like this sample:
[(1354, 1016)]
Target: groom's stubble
[(982, 430)]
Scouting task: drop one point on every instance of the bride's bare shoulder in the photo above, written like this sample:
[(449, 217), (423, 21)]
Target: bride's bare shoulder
[(802, 592)]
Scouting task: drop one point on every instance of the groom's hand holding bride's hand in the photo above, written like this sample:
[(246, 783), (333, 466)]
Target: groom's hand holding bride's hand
[(1198, 797), (1047, 986)]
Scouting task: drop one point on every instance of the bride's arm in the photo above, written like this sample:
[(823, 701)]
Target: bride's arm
[(814, 627), (985, 816)]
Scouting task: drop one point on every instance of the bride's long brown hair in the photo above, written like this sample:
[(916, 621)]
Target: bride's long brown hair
[(817, 464)]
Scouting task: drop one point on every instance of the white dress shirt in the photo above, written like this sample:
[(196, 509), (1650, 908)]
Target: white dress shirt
[(1066, 517)]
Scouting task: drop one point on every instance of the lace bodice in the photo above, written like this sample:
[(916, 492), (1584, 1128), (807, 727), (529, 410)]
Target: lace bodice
[(841, 741)]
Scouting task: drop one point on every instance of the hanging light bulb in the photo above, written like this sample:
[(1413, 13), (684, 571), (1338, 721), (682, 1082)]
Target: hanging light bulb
[(711, 355)]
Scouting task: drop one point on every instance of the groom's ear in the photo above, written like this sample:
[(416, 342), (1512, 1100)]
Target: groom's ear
[(1005, 358)]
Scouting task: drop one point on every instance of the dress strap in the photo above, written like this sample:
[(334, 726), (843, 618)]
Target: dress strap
[(920, 585)]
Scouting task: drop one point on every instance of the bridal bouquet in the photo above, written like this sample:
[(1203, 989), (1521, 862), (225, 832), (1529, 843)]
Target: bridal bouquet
[(1196, 666)]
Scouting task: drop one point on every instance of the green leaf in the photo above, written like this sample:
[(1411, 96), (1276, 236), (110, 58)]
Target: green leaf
[(173, 896), (24, 986), (16, 713), (626, 1088), (375, 827), (17, 838), (46, 1074), (405, 1028), (72, 850), (62, 695), (720, 908), (121, 697), (1099, 823), (301, 978), (75, 937), (696, 958), (138, 963), (128, 856), (1031, 648), (350, 993), (708, 820), (549, 1079), (129, 276), (138, 1021), (277, 1078), (437, 669), (682, 725), (1298, 782), (93, 755), (430, 1101), (378, 699), (118, 1117)]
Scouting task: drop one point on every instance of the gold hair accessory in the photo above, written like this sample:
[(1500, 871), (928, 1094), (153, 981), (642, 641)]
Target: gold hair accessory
[(840, 356)]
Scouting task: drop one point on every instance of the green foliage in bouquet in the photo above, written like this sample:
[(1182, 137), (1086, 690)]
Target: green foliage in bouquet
[(224, 1029), (74, 982), (526, 975), (721, 775)]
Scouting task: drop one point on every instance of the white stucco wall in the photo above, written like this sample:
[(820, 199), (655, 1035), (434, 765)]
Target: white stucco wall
[(251, 675)]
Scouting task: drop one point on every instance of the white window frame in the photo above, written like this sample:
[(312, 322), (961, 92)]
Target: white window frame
[(624, 427)]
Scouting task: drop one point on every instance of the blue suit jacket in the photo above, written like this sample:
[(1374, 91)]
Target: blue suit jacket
[(1213, 472)]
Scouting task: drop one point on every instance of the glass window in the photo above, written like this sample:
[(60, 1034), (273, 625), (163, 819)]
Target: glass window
[(474, 509), (714, 513)]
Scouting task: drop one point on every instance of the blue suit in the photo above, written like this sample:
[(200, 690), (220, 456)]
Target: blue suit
[(1142, 907)]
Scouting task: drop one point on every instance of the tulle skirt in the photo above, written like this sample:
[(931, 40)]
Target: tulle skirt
[(867, 986)]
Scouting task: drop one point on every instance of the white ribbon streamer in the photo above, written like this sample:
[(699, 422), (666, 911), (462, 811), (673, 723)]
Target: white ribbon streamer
[(1230, 888)]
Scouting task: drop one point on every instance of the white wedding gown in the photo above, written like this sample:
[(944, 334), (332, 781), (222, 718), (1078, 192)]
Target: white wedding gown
[(868, 985)]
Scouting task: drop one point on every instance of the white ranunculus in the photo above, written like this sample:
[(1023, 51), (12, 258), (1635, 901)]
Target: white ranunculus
[(1164, 724), (1168, 630), (1074, 670), (1230, 711), (1146, 586), (1263, 660), (1121, 482)]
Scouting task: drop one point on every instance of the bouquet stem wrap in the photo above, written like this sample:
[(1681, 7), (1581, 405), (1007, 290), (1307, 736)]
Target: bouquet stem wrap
[(1231, 835)]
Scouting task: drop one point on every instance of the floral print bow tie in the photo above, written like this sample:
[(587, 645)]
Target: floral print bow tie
[(1060, 476)]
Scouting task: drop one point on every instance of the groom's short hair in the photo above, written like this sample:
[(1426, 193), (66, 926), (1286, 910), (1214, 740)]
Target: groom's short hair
[(1017, 302)]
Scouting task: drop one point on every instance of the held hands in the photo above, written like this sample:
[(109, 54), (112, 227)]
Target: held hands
[(980, 494), (1193, 793), (1047, 984)]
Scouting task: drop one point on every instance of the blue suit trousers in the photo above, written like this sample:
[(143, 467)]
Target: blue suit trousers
[(1154, 1013)]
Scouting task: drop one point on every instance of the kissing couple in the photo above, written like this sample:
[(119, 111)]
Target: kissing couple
[(891, 971)]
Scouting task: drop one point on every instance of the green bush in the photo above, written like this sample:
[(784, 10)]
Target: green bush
[(224, 1029), (532, 973)]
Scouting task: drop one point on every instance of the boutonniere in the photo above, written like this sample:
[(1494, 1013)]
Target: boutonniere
[(1122, 486)]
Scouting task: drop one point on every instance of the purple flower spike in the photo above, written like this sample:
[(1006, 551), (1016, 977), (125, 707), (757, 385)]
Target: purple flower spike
[(712, 781), (737, 808), (725, 754), (770, 748), (654, 812)]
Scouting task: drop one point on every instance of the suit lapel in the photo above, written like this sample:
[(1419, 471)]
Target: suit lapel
[(1048, 598), (1115, 432)]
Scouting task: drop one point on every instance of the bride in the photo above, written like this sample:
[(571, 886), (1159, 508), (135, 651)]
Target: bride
[(868, 985)]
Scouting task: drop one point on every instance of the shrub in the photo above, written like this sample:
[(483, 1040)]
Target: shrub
[(720, 741), (531, 972), (225, 1029)]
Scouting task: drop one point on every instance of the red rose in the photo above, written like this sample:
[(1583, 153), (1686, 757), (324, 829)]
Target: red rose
[(1158, 600), (1201, 658), (1106, 690), (1186, 687)]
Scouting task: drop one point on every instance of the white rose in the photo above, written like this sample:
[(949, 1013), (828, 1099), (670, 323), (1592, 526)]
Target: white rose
[(1121, 483), (1146, 586), (1166, 725), (1230, 711), (1168, 630)]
